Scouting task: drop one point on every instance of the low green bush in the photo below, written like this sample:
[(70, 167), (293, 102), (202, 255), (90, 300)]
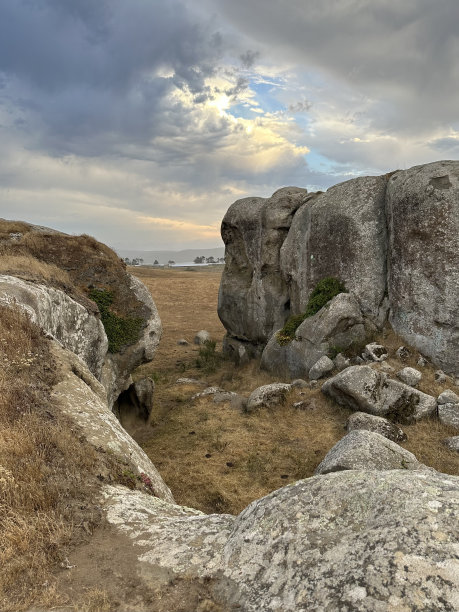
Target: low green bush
[(121, 331), (325, 290), (208, 359)]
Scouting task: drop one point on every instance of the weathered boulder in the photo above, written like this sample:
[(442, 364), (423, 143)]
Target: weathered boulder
[(341, 233), (356, 540), (423, 258), (367, 450), (339, 324), (254, 299), (321, 368), (449, 415), (267, 396), (380, 425), (409, 376), (375, 352), (82, 398), (448, 397), (364, 389), (60, 316)]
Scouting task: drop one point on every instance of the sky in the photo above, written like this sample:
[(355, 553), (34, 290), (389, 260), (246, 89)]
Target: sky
[(140, 121)]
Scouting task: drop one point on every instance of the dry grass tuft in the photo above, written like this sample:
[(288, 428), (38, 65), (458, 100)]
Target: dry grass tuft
[(30, 268), (46, 472)]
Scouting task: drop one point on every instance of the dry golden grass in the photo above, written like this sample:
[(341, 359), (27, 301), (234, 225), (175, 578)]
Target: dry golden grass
[(46, 472), (30, 268), (267, 449)]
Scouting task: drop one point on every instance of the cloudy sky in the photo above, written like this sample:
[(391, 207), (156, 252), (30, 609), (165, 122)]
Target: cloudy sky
[(140, 121)]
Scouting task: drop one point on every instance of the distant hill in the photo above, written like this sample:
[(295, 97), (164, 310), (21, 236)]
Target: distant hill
[(186, 256)]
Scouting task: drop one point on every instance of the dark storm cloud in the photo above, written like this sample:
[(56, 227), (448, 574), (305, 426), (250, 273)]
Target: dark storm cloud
[(94, 76), (402, 52)]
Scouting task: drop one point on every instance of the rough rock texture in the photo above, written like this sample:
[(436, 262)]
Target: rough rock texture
[(452, 443), (82, 398), (321, 368), (61, 317), (449, 415), (354, 541), (364, 389), (423, 217), (202, 337), (338, 325), (380, 425), (136, 401), (375, 352), (393, 240), (116, 373), (410, 376), (448, 397), (367, 450), (341, 233), (267, 396), (253, 299)]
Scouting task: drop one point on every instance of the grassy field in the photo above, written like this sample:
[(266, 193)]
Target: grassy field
[(214, 456)]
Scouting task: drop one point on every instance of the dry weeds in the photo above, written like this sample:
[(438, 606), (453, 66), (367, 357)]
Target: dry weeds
[(219, 459)]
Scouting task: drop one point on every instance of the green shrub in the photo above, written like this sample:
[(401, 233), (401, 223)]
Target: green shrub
[(208, 359), (120, 331), (323, 292)]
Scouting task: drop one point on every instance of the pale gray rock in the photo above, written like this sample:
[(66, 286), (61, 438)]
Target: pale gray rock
[(423, 259), (386, 367), (339, 323), (202, 337), (61, 317), (224, 396), (422, 361), (448, 397), (449, 415), (267, 396), (82, 398), (410, 376), (355, 541), (440, 376), (341, 362), (321, 368), (189, 381), (254, 299), (339, 234), (367, 450), (116, 372), (183, 342), (365, 389), (375, 352), (208, 391), (452, 443), (299, 383), (380, 425)]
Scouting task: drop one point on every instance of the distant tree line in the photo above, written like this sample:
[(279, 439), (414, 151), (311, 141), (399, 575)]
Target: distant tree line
[(137, 261), (209, 260)]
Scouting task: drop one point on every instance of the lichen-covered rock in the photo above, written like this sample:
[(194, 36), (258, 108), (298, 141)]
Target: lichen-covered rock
[(267, 396), (60, 316), (365, 389), (341, 233), (449, 415), (452, 443), (448, 397), (253, 299), (321, 368), (338, 324), (367, 450), (423, 284), (363, 541), (380, 425), (410, 376), (375, 352), (82, 398)]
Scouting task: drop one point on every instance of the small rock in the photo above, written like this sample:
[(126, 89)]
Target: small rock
[(357, 360), (403, 353), (267, 396), (224, 396), (208, 391), (322, 367), (452, 443), (440, 376), (189, 381), (366, 450), (182, 342), (449, 415), (375, 352), (313, 384), (202, 337), (448, 397), (299, 383), (409, 376), (422, 361), (369, 422), (303, 405), (341, 362)]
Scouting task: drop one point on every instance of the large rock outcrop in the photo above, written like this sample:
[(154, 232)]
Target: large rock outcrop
[(393, 240), (363, 541)]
